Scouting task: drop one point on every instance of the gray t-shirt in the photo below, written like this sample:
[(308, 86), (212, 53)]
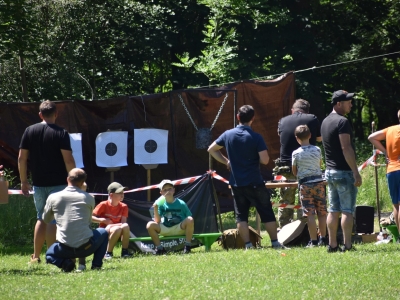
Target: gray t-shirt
[(72, 209), (307, 159)]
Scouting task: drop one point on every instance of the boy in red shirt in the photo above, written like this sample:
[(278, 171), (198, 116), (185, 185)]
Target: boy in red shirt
[(112, 215)]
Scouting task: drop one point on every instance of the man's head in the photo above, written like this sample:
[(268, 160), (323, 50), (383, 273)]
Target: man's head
[(301, 105), (302, 132), (341, 101), (47, 109), (166, 186), (245, 114), (115, 188), (76, 177)]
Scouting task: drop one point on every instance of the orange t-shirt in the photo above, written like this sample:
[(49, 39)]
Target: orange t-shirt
[(114, 213), (393, 148)]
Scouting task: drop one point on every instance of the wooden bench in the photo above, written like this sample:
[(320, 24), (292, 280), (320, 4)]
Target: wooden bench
[(206, 239)]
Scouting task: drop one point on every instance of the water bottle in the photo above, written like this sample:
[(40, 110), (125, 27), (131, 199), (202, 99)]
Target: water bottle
[(160, 201)]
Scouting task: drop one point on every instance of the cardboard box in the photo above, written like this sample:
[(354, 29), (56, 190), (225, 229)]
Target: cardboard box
[(369, 238)]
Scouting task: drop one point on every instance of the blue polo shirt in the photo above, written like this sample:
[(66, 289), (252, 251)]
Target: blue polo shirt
[(242, 145)]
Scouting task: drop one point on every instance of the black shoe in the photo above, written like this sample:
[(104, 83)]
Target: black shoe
[(125, 253), (161, 251), (331, 249), (96, 268), (322, 241), (68, 265), (344, 249), (187, 250), (310, 245)]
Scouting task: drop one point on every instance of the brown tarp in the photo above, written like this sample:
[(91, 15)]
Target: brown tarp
[(271, 99)]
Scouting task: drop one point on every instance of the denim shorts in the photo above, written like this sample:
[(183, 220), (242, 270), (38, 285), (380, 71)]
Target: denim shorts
[(40, 195), (257, 196), (393, 179), (342, 193)]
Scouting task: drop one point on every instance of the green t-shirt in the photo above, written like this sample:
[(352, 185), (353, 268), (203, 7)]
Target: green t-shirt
[(174, 213)]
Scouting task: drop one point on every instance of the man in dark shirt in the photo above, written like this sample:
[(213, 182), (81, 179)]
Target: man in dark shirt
[(341, 169), (48, 148), (286, 127), (246, 149)]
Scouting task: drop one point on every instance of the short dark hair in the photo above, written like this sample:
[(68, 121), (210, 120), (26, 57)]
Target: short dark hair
[(77, 176), (302, 132), (301, 104), (245, 113), (47, 108)]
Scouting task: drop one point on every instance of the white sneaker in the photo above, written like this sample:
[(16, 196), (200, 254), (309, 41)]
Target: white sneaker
[(81, 268)]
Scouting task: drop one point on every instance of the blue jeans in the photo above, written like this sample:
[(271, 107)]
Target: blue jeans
[(342, 193), (40, 195), (393, 179), (97, 245)]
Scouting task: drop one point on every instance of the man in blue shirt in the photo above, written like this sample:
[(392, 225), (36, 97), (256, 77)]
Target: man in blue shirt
[(246, 149)]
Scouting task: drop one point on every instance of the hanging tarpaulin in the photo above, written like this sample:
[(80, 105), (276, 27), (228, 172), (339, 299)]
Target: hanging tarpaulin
[(151, 146), (111, 149), (76, 145)]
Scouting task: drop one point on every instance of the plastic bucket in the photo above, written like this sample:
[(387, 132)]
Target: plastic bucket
[(393, 230)]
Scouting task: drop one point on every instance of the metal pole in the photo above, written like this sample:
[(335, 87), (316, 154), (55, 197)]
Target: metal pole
[(376, 183), (148, 183)]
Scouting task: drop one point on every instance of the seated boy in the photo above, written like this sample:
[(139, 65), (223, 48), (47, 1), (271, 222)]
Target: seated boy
[(177, 218), (306, 165), (112, 215)]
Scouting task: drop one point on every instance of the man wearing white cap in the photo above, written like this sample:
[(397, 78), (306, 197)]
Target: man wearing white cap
[(177, 218)]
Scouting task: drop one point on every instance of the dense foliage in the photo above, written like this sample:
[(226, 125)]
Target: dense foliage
[(96, 49)]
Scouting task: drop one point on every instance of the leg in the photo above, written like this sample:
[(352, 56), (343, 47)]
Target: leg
[(272, 230), (39, 236), (287, 196), (154, 229), (347, 228), (125, 235), (188, 226), (332, 223), (396, 216), (322, 225), (51, 232), (241, 205), (99, 247), (243, 228), (312, 227), (59, 255), (114, 235)]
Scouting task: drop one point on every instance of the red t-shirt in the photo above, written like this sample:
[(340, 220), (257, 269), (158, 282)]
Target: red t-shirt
[(114, 213)]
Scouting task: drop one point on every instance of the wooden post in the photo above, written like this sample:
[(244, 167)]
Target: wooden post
[(378, 208)]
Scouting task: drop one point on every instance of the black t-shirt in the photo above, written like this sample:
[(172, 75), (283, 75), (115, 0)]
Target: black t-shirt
[(333, 125), (44, 142), (286, 128)]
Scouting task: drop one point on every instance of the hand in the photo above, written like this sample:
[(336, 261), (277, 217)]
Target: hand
[(357, 179), (228, 166), (106, 221), (25, 188)]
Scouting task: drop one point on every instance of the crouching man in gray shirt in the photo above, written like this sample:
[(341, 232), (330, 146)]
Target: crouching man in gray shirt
[(72, 209)]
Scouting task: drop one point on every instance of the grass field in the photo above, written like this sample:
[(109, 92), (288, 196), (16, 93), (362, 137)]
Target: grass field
[(371, 272)]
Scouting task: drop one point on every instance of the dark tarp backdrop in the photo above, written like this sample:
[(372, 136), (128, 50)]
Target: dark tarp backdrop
[(271, 99)]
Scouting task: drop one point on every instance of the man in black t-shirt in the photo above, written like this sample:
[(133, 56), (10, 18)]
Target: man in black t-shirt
[(48, 148), (286, 127), (341, 169)]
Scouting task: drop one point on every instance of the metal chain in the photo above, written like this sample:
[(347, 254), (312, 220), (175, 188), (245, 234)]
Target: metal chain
[(219, 112), (184, 106), (216, 118)]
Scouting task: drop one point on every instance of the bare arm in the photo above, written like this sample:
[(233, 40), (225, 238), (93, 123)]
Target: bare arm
[(264, 157), (294, 170), (68, 159), (350, 157), (96, 219), (376, 138), (23, 171), (157, 217), (48, 214), (215, 152)]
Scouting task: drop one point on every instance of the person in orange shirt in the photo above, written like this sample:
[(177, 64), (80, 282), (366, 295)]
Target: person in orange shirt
[(112, 215), (392, 152)]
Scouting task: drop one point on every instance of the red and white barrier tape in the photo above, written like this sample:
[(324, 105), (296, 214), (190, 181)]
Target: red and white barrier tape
[(283, 205), (370, 161)]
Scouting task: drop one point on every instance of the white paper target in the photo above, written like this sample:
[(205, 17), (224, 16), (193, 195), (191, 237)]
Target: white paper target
[(112, 149), (76, 145), (151, 146)]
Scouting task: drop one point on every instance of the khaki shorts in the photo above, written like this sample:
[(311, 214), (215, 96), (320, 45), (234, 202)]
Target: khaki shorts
[(174, 230)]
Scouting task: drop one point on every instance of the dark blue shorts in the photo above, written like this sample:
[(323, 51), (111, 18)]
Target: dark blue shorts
[(258, 196), (393, 179)]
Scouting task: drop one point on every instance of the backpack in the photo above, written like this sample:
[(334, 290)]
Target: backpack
[(231, 239)]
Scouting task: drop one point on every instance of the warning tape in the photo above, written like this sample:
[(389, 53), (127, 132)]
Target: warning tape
[(283, 205), (370, 161)]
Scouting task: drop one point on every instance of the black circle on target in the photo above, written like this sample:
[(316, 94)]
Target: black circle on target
[(150, 146), (111, 149)]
